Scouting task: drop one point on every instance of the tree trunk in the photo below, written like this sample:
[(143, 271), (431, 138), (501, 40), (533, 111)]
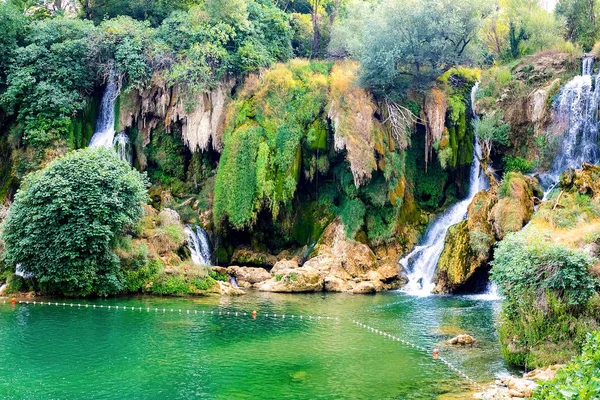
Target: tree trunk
[(316, 33)]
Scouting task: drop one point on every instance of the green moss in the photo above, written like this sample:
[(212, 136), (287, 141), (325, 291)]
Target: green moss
[(81, 127)]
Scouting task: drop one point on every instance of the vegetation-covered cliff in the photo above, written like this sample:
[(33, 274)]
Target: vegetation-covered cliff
[(315, 142)]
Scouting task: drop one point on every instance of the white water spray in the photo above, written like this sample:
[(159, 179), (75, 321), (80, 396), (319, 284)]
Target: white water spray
[(422, 261), (122, 147), (199, 245), (105, 125), (576, 113)]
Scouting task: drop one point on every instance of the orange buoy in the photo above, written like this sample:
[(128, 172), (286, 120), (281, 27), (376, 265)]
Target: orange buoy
[(436, 354), (254, 314), (13, 300)]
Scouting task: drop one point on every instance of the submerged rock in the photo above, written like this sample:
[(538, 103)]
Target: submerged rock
[(462, 340)]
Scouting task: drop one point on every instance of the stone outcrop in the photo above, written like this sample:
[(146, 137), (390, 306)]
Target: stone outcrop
[(338, 264), (201, 115), (492, 214), (517, 388), (248, 274), (247, 256)]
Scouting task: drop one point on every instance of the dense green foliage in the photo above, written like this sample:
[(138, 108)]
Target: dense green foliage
[(546, 288), (271, 123), (66, 217), (579, 379), (581, 21)]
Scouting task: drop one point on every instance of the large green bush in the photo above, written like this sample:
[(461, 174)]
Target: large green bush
[(547, 290), (63, 223), (580, 379)]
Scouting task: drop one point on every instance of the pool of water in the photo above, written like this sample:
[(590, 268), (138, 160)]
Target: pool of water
[(73, 353)]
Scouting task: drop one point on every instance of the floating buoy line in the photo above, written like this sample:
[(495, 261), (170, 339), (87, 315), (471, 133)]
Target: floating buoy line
[(253, 315), (434, 352)]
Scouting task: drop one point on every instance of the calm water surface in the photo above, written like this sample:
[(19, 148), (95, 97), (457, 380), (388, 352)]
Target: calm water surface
[(70, 353)]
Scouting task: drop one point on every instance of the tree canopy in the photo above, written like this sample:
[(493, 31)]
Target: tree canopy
[(65, 218)]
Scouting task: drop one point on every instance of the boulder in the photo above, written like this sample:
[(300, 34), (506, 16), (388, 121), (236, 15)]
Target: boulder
[(247, 256), (281, 266), (220, 270), (304, 279), (462, 340), (333, 284), (515, 205), (521, 387), (389, 272), (364, 287), (225, 288), (249, 274)]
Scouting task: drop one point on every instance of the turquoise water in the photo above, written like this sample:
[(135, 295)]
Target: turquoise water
[(83, 353)]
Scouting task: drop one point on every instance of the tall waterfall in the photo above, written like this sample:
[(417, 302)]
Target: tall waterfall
[(199, 244), (122, 146), (422, 261), (105, 125), (576, 113)]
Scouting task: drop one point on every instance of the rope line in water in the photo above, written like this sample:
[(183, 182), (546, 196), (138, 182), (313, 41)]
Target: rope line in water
[(421, 348), (179, 310), (239, 313)]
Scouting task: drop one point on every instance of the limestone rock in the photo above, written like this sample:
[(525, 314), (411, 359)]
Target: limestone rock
[(283, 265), (304, 279), (333, 284), (462, 340), (515, 205), (246, 256), (249, 274), (225, 288), (168, 216), (364, 288), (521, 387), (220, 270)]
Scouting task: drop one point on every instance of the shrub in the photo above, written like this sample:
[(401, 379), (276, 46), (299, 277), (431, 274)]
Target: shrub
[(547, 289), (518, 164), (65, 219), (217, 276), (579, 379)]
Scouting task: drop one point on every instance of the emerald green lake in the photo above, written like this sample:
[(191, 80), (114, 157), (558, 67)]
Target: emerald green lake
[(64, 352)]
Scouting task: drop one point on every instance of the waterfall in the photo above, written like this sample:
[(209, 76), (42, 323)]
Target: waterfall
[(122, 146), (19, 272), (576, 113), (422, 261), (105, 125), (199, 244)]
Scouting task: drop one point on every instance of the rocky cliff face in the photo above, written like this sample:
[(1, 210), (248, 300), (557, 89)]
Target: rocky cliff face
[(493, 213), (201, 116)]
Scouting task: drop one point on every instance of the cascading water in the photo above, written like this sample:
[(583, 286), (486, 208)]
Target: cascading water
[(199, 245), (576, 113), (105, 125), (422, 261), (122, 146)]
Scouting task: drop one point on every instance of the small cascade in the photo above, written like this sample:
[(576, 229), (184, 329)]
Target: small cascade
[(422, 261), (19, 272), (199, 244), (576, 113), (233, 282), (3, 288), (122, 147), (105, 125)]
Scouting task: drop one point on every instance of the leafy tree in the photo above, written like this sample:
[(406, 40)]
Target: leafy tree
[(580, 17), (65, 218), (417, 39), (490, 130), (12, 26), (50, 77), (154, 11)]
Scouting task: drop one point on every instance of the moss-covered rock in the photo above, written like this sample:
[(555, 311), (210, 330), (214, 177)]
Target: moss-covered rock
[(515, 203)]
